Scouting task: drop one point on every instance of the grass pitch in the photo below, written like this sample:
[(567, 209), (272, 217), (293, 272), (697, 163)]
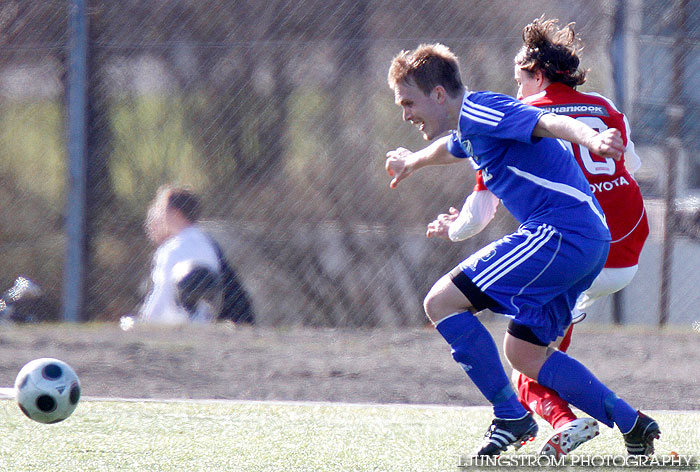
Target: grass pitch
[(240, 436)]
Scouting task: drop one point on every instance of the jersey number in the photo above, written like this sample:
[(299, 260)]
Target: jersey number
[(594, 164)]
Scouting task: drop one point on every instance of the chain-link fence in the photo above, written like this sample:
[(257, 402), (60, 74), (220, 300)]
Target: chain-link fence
[(279, 114)]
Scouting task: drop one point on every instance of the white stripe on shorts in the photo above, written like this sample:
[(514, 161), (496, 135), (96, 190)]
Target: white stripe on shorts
[(514, 257)]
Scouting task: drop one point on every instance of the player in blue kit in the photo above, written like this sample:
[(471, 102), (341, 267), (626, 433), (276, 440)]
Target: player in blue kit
[(534, 275)]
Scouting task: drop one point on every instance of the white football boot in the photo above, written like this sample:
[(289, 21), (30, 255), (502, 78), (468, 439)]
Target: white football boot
[(569, 436)]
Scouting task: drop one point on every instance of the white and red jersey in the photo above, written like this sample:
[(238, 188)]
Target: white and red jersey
[(610, 181)]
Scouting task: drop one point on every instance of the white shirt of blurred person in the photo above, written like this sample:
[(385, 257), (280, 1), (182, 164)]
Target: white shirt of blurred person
[(171, 224)]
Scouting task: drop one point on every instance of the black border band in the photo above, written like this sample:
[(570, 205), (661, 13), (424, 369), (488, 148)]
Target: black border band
[(521, 331), (479, 300)]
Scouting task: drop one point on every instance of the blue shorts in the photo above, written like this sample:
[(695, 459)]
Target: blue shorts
[(534, 275)]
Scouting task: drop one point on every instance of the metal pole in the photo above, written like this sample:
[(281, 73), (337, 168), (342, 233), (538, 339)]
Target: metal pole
[(618, 54), (74, 268), (675, 112)]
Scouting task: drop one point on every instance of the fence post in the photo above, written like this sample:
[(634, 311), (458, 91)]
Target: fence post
[(674, 114), (618, 53), (74, 268)]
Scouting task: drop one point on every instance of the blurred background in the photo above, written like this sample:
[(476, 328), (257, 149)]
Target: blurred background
[(279, 114)]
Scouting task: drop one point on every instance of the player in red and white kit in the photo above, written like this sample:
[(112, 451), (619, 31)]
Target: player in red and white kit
[(547, 72)]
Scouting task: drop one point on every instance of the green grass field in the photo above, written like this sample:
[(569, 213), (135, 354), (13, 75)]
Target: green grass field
[(236, 436)]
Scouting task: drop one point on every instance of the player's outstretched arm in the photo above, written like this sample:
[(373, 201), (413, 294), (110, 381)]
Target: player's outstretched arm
[(478, 210), (605, 144), (400, 163), (440, 226)]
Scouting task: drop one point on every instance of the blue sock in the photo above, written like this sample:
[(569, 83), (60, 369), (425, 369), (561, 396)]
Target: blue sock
[(578, 386), (622, 413), (473, 349)]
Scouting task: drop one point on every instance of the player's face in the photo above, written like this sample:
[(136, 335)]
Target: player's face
[(427, 112), (155, 223), (528, 83)]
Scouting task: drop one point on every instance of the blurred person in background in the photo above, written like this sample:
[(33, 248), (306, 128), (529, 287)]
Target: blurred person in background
[(191, 279), (185, 264), (534, 275)]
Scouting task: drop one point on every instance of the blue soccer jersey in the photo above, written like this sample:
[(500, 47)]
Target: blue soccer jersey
[(537, 179)]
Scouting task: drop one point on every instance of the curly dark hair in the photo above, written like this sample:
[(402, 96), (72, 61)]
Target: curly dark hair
[(553, 50)]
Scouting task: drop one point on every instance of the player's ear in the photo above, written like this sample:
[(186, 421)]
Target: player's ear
[(539, 77), (440, 94)]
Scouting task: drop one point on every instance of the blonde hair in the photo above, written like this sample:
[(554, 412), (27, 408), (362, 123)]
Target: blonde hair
[(180, 198), (428, 66)]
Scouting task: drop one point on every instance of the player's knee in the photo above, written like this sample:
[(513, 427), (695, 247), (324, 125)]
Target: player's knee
[(517, 363), (526, 360), (433, 306), (444, 299), (428, 304)]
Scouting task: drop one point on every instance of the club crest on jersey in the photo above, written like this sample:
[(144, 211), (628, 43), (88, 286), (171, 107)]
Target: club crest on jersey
[(469, 149), (483, 255)]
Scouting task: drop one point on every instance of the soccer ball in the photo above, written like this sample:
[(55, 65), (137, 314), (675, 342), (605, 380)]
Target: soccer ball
[(47, 390)]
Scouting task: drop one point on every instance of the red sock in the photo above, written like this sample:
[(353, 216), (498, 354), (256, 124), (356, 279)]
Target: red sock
[(564, 345), (545, 402)]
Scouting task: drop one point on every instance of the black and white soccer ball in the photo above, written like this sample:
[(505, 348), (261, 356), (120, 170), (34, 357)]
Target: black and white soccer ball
[(47, 390)]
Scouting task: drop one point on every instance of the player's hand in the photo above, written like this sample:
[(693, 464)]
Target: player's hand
[(607, 144), (439, 227), (396, 165)]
